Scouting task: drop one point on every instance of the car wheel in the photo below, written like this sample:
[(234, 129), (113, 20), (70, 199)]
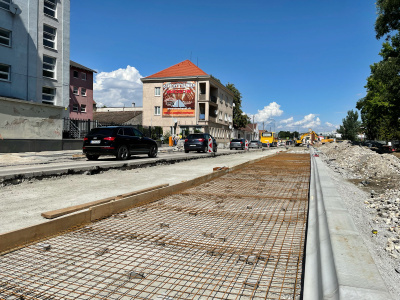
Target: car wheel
[(92, 157), (186, 151), (123, 153), (153, 151)]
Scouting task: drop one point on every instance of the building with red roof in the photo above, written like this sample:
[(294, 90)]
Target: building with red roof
[(184, 99)]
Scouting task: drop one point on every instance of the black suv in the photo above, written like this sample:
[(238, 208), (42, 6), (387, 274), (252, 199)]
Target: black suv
[(199, 142), (121, 141)]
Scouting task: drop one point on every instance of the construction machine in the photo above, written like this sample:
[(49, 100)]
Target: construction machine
[(306, 138)]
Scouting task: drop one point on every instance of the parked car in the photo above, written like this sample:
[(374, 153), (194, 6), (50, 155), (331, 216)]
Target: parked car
[(121, 141), (237, 144), (255, 144), (199, 142)]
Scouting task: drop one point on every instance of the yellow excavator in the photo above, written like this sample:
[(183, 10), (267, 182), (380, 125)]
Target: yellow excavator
[(306, 138), (310, 138)]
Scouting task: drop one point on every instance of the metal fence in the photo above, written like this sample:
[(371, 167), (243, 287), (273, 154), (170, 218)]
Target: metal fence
[(78, 129)]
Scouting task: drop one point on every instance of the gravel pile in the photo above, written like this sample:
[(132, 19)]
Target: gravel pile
[(358, 162), (379, 174)]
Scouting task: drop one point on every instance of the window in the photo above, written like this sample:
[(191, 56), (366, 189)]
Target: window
[(49, 7), (83, 92), (48, 95), (76, 74), (75, 107), (49, 36), (157, 110), (75, 90), (49, 65), (5, 37), (83, 76), (83, 107), (157, 91), (5, 4), (5, 72)]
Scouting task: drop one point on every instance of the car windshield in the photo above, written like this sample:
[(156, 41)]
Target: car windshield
[(236, 140), (195, 136), (254, 142), (102, 131)]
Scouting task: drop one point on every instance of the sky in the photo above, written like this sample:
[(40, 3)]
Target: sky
[(298, 64)]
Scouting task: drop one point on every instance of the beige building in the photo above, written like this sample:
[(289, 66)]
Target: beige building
[(183, 99)]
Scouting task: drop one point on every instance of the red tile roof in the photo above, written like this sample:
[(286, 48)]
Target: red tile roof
[(183, 69)]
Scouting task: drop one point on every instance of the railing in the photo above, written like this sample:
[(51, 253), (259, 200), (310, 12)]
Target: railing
[(78, 129)]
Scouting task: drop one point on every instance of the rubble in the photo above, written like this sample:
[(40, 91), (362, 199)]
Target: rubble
[(379, 174)]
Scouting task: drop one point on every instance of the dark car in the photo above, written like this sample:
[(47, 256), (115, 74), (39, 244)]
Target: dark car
[(255, 144), (199, 142), (121, 141), (237, 144)]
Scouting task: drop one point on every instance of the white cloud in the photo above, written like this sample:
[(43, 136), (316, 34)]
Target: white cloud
[(331, 126), (309, 121), (286, 121), (269, 111), (118, 88)]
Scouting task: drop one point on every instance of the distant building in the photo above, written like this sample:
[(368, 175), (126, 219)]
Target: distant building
[(81, 92), (34, 73), (118, 118), (183, 99)]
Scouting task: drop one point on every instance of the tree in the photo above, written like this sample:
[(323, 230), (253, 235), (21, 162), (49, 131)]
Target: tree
[(240, 119), (379, 109), (350, 127)]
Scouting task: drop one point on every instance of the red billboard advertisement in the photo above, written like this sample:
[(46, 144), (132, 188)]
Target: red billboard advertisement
[(179, 99)]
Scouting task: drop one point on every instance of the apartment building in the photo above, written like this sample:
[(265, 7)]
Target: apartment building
[(81, 92), (183, 99), (34, 69)]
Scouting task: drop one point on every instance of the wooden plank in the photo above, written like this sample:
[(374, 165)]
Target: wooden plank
[(68, 210)]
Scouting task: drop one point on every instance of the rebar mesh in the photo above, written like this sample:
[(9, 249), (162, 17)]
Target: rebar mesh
[(240, 236)]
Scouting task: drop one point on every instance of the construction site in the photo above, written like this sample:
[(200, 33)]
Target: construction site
[(278, 226), (239, 236)]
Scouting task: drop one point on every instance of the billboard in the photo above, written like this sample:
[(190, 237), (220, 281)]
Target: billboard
[(179, 99)]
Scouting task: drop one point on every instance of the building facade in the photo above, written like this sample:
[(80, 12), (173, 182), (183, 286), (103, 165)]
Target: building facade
[(34, 70), (34, 50), (183, 99), (81, 92)]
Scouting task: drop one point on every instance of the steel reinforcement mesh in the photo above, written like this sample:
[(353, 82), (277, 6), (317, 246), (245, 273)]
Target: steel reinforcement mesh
[(240, 236)]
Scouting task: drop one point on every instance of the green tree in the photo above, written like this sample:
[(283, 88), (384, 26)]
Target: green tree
[(240, 119), (379, 109), (350, 127)]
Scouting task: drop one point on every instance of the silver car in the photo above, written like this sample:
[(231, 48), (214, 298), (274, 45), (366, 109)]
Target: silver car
[(255, 144)]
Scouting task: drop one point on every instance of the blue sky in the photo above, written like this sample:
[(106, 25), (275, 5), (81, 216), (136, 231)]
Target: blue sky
[(299, 64)]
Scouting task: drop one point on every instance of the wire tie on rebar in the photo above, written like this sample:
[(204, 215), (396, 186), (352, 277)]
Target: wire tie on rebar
[(251, 283), (43, 247), (208, 235), (120, 216), (143, 209), (136, 275), (134, 235), (191, 213), (162, 225), (249, 207), (102, 251)]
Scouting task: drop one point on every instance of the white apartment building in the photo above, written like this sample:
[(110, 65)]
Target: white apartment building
[(34, 68)]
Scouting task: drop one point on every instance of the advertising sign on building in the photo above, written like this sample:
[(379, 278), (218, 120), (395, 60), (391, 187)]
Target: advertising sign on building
[(179, 99)]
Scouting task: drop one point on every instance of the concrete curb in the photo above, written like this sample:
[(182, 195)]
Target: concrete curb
[(337, 262)]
